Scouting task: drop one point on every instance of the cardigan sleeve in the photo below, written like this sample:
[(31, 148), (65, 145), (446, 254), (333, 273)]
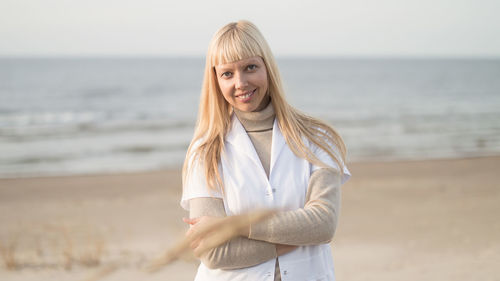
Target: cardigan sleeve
[(320, 213), (238, 252)]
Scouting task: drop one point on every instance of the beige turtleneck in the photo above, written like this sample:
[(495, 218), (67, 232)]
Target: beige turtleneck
[(259, 127), (292, 227)]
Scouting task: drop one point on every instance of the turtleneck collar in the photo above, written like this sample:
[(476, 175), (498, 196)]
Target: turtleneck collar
[(257, 120)]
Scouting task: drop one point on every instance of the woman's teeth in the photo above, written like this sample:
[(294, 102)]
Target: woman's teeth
[(246, 95)]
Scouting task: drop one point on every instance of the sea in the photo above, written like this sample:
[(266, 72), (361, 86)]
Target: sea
[(67, 116)]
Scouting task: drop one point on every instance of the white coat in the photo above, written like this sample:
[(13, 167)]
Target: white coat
[(247, 188)]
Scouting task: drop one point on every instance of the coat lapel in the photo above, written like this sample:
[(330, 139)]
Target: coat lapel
[(239, 139)]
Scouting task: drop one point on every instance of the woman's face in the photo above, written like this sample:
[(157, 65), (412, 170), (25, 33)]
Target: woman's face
[(244, 83)]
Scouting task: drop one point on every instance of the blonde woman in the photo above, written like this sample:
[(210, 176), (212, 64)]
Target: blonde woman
[(252, 150)]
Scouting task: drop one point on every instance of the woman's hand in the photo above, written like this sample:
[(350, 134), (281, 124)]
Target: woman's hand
[(197, 223), (194, 225), (208, 232), (200, 223)]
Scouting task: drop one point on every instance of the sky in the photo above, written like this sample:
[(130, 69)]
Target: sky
[(369, 28)]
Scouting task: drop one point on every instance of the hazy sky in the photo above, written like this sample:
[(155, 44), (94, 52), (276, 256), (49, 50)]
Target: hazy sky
[(183, 27)]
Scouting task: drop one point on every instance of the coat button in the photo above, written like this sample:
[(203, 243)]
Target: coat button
[(285, 272), (274, 190)]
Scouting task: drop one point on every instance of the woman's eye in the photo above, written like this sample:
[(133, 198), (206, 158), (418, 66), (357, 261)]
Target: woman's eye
[(252, 67), (226, 74)]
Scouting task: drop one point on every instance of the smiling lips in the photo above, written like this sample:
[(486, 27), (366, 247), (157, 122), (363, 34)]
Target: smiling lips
[(246, 96)]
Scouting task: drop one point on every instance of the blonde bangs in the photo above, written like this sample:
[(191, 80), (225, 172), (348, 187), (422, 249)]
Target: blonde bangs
[(233, 45)]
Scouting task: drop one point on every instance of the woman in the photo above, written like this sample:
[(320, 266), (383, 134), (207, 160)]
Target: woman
[(252, 150)]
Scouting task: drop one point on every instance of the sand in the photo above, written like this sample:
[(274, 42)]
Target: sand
[(422, 220)]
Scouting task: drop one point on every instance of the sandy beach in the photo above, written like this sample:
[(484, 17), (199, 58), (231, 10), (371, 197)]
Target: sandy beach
[(421, 220)]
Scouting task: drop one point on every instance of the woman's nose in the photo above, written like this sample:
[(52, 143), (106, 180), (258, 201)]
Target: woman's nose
[(241, 81)]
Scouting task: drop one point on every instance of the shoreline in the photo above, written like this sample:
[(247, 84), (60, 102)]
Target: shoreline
[(178, 168)]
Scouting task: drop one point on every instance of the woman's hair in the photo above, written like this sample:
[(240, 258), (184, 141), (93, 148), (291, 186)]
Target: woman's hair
[(233, 42)]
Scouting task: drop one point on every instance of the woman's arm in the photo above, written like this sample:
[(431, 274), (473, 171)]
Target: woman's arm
[(311, 225), (320, 213), (239, 252)]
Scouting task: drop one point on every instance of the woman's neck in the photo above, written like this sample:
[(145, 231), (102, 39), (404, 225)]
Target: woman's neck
[(257, 120)]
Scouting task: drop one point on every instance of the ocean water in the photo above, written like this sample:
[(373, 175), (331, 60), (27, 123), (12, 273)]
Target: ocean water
[(61, 116)]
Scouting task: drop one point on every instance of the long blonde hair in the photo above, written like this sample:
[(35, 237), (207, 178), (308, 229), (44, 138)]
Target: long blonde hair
[(236, 41)]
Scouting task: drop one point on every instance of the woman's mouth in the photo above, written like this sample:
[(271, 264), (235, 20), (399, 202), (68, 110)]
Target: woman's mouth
[(247, 96)]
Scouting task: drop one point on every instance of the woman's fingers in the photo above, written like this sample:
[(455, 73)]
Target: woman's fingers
[(195, 244), (191, 221)]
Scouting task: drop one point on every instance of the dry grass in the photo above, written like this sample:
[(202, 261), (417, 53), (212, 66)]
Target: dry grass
[(102, 272), (67, 251), (214, 234), (93, 255), (64, 246), (8, 253), (54, 246)]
